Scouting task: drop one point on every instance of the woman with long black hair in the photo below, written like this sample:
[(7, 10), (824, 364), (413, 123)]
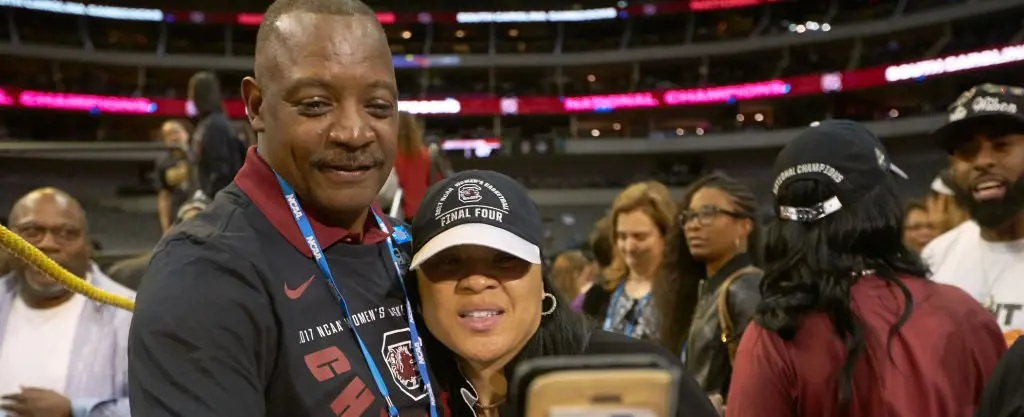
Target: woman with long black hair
[(708, 301), (848, 324)]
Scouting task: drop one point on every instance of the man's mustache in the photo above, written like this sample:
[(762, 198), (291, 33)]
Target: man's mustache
[(347, 160)]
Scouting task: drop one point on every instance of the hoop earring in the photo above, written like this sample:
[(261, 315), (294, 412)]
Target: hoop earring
[(554, 304)]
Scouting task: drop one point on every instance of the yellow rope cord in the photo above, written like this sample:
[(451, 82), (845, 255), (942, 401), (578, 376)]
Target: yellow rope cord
[(25, 251)]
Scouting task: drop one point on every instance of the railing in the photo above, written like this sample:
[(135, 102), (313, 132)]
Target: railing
[(492, 40), (101, 151), (1017, 37), (627, 35), (833, 10), (149, 151), (12, 28), (855, 54), (766, 19), (895, 128), (780, 68), (936, 48), (83, 34), (428, 42), (560, 39), (161, 45), (691, 28), (900, 8), (229, 41)]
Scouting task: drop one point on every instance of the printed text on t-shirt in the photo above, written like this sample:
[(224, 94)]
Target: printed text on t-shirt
[(337, 326)]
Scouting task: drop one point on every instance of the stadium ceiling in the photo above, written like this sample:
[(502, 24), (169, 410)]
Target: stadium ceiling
[(389, 5)]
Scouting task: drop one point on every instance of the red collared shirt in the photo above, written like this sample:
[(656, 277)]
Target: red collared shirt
[(936, 367), (257, 180)]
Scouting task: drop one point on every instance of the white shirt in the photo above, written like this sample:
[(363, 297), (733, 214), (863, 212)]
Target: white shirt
[(992, 272), (37, 345)]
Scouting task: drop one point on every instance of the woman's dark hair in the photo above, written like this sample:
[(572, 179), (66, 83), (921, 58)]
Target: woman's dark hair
[(561, 333), (676, 296), (812, 266), (205, 90), (600, 242)]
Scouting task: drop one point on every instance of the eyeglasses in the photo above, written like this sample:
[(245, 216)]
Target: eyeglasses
[(34, 233), (706, 215)]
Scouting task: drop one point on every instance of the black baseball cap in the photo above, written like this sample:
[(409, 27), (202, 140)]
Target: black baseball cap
[(483, 208), (983, 106), (843, 154)]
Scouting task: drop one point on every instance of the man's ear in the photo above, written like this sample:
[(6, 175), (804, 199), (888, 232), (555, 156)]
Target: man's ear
[(252, 96)]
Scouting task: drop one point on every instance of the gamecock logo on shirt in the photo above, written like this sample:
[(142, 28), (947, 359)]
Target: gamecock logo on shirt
[(399, 356)]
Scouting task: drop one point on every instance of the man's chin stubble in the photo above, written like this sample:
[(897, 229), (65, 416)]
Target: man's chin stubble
[(998, 213)]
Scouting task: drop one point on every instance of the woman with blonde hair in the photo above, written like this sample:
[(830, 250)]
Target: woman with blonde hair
[(643, 220)]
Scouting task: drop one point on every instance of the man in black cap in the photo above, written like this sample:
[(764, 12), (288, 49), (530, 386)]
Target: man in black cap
[(985, 256), (284, 297)]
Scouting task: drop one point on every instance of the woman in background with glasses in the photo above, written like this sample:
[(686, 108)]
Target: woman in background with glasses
[(714, 294)]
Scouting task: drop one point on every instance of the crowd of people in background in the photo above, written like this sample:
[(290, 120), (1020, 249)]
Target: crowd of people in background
[(695, 276), (950, 261)]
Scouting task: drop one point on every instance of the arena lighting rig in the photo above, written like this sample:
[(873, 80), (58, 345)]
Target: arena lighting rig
[(623, 10)]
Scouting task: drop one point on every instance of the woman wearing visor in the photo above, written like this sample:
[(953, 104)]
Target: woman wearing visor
[(486, 304)]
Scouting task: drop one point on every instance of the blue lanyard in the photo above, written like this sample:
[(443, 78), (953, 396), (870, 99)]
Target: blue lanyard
[(321, 262), (614, 306)]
